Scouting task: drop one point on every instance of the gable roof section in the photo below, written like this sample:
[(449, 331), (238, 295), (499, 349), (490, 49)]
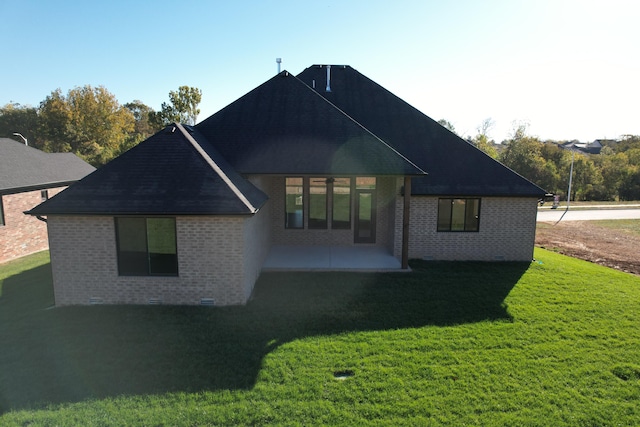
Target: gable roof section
[(455, 167), (24, 168), (284, 127), (174, 172)]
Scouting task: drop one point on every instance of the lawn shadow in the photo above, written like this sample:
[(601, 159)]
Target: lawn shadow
[(78, 353)]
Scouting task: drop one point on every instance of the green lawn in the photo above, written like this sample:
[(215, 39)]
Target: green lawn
[(555, 342)]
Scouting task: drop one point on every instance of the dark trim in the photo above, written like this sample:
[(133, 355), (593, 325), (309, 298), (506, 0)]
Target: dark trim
[(136, 214), (16, 190), (476, 196), (406, 218), (2, 222)]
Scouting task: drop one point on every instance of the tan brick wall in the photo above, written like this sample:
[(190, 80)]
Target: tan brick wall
[(507, 231), (23, 234), (211, 251)]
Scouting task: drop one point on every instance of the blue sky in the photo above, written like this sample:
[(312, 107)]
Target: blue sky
[(570, 69)]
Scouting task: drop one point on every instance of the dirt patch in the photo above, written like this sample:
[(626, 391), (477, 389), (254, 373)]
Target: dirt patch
[(585, 240)]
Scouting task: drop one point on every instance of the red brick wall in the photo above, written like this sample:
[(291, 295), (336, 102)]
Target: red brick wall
[(22, 234)]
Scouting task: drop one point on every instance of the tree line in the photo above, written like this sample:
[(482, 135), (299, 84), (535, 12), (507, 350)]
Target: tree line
[(611, 175), (91, 123)]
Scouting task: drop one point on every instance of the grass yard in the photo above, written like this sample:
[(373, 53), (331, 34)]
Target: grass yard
[(555, 342)]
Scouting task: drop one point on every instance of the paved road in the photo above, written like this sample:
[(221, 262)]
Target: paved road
[(553, 215)]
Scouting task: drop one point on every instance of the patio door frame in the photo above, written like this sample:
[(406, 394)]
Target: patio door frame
[(357, 237)]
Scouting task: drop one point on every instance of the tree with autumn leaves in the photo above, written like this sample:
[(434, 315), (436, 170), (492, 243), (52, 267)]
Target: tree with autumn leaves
[(91, 123), (614, 174)]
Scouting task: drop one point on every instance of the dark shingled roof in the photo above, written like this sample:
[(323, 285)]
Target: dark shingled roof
[(288, 125), (454, 166), (174, 172), (284, 127), (24, 168)]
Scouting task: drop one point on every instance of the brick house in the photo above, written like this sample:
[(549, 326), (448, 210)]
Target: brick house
[(28, 177), (324, 159)]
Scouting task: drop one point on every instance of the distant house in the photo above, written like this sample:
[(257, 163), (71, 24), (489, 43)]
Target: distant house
[(593, 147), (27, 177), (325, 159)]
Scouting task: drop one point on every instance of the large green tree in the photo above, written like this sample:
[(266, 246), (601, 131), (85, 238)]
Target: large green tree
[(144, 126), (54, 118), (523, 155), (183, 107), (447, 124), (527, 155), (88, 122), (586, 178), (482, 140), (483, 143), (16, 118), (615, 170), (142, 114)]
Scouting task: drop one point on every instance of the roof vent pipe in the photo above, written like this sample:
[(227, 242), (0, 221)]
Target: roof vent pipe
[(279, 61), (328, 78)]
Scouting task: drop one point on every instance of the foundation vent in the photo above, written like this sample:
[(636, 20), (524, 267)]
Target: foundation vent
[(209, 302), (155, 301), (96, 301)]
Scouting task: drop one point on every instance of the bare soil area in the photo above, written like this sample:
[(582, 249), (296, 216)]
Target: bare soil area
[(586, 240)]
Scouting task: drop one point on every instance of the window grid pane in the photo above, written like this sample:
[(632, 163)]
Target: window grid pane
[(132, 247), (457, 214), (472, 215), (318, 203), (444, 214), (161, 241), (341, 213), (294, 203)]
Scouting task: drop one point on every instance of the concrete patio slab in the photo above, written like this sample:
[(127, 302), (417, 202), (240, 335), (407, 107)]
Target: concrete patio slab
[(304, 258)]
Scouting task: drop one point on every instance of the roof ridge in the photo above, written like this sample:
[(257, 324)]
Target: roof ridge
[(216, 168), (317, 93)]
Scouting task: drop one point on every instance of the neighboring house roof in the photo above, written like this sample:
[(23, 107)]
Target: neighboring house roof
[(284, 127), (454, 166), (586, 147), (24, 168), (175, 172)]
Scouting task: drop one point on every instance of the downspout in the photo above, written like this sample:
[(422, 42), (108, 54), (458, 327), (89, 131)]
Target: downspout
[(405, 222)]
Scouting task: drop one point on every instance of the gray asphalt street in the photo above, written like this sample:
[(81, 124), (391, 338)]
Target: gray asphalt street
[(553, 215)]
